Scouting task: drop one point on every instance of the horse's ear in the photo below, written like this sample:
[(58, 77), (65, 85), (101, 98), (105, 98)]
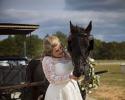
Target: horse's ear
[(89, 27), (71, 25)]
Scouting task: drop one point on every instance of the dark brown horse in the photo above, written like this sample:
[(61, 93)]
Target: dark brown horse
[(35, 74)]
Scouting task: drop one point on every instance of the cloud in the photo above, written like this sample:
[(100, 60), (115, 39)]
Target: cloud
[(95, 4), (108, 16), (111, 37), (14, 13), (32, 4), (53, 20), (100, 17)]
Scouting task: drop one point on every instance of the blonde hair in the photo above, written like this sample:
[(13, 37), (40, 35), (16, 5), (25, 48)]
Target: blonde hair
[(48, 43)]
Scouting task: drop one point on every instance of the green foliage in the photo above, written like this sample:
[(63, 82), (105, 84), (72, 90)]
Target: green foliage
[(7, 47), (14, 46), (34, 46), (109, 50), (62, 37), (114, 76)]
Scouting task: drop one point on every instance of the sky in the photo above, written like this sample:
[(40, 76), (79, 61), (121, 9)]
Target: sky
[(107, 16)]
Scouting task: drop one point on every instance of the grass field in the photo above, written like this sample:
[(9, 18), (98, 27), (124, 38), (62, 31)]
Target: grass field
[(112, 83)]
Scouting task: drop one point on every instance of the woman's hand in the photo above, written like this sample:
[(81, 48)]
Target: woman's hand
[(73, 77)]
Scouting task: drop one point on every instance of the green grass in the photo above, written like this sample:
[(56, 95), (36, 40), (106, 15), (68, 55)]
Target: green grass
[(112, 83), (114, 76)]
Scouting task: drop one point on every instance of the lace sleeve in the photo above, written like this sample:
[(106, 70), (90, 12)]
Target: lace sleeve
[(48, 68)]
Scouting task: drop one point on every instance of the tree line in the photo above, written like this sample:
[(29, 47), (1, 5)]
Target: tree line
[(33, 46)]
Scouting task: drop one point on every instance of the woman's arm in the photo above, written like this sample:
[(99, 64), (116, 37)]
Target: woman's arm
[(48, 68)]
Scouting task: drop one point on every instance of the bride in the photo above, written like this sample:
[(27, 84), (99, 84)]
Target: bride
[(58, 69)]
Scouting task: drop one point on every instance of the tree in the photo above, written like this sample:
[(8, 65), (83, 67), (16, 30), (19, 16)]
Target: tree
[(14, 46), (62, 37), (34, 46), (8, 47)]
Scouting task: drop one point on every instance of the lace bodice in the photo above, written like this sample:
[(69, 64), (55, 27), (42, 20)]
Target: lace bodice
[(57, 70)]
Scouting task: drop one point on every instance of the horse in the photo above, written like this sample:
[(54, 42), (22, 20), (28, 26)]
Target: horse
[(80, 43), (34, 73)]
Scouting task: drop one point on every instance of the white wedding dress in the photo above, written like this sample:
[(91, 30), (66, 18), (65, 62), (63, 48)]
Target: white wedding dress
[(61, 87)]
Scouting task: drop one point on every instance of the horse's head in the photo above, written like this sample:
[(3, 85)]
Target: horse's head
[(80, 42)]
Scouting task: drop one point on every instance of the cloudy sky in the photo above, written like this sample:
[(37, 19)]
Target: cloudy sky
[(108, 16)]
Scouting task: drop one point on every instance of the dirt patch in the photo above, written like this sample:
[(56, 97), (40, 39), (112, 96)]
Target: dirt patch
[(105, 92)]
